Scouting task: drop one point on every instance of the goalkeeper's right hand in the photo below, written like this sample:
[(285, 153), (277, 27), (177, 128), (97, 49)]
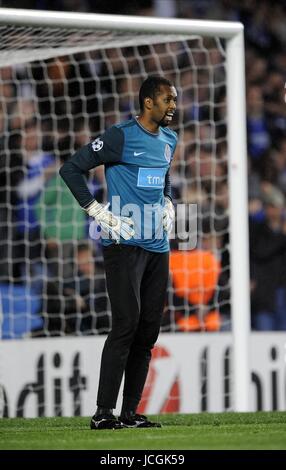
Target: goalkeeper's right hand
[(115, 226)]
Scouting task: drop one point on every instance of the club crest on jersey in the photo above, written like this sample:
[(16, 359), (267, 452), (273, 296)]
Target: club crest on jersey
[(168, 153), (97, 144)]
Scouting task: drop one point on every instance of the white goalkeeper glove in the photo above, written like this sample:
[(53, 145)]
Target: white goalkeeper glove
[(115, 226), (168, 215)]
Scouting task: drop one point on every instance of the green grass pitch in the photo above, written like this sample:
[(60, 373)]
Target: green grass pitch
[(225, 431)]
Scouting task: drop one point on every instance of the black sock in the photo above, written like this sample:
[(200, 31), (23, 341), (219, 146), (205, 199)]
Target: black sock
[(103, 411), (129, 405)]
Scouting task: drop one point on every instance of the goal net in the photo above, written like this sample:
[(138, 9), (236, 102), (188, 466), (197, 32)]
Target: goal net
[(61, 87)]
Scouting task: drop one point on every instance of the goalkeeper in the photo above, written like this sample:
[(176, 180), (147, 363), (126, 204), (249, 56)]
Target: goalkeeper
[(135, 227)]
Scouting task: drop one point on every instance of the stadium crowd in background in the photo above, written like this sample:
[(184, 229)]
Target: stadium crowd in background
[(28, 235)]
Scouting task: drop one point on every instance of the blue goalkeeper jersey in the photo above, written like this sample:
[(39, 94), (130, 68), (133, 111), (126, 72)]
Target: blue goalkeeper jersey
[(137, 166)]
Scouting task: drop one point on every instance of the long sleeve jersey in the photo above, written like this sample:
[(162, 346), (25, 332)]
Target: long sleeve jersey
[(137, 164)]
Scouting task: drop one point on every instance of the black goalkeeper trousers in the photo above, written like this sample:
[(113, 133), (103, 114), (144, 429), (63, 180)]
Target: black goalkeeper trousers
[(136, 284)]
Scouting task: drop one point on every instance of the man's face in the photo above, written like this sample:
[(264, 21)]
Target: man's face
[(164, 105), (86, 263)]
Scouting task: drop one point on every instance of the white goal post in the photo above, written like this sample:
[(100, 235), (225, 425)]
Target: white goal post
[(128, 27)]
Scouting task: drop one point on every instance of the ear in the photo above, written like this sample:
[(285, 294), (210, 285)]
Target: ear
[(148, 103)]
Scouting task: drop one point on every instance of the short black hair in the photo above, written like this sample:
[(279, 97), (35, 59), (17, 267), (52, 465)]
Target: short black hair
[(150, 87), (84, 246)]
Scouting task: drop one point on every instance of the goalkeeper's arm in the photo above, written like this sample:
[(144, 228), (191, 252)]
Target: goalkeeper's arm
[(107, 149)]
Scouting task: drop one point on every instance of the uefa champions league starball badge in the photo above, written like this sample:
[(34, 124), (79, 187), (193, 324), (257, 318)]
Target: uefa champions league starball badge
[(97, 144)]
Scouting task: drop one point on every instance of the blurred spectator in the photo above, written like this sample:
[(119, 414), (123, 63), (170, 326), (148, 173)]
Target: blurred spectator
[(275, 108), (199, 293), (38, 169), (257, 128), (89, 282), (279, 162), (195, 276), (22, 113), (78, 305), (68, 91), (268, 261), (62, 222), (11, 173)]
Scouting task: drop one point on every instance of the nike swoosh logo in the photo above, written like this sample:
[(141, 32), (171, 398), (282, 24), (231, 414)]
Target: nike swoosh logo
[(136, 154)]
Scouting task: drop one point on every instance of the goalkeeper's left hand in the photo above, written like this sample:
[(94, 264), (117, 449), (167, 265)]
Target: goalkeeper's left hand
[(168, 215)]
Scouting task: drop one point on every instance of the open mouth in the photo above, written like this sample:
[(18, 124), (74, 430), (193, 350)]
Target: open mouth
[(169, 116)]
